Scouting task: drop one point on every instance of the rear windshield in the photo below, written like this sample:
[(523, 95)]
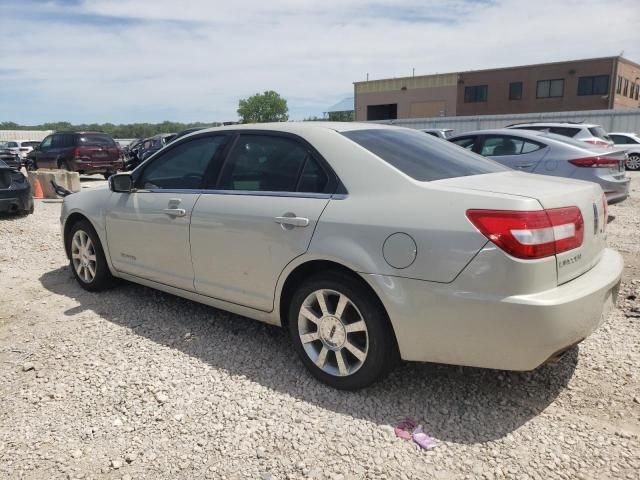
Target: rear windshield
[(421, 156), (599, 132), (96, 139)]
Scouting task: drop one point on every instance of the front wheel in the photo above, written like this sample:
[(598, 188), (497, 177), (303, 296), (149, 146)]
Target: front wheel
[(341, 331), (88, 262), (633, 161)]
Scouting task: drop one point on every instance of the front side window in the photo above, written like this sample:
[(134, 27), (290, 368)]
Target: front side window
[(182, 167), (475, 94), (593, 85), (465, 142), (550, 88), (501, 145), (515, 91), (46, 143), (420, 156)]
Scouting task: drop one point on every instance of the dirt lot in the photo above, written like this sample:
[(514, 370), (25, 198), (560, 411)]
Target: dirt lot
[(134, 383)]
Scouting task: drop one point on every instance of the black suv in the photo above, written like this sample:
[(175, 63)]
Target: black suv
[(82, 152)]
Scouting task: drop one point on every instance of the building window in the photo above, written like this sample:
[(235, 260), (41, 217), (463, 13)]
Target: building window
[(515, 91), (594, 85), (475, 94), (550, 88), (637, 92), (626, 88), (619, 87)]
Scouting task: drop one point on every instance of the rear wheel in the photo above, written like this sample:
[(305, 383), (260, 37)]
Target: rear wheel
[(64, 165), (88, 262), (633, 162), (341, 331)]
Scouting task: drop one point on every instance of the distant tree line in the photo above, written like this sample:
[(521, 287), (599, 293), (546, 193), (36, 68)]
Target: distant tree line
[(129, 130)]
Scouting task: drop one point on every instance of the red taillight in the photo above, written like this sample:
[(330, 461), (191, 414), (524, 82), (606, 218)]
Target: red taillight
[(602, 143), (595, 162), (531, 234), (76, 152)]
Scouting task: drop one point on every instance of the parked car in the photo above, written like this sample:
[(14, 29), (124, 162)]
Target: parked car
[(12, 159), (436, 254), (15, 191), (21, 147), (152, 144), (550, 154), (443, 133), (82, 152), (630, 142), (585, 132)]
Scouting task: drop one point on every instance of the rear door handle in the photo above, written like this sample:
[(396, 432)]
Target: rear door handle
[(175, 212), (293, 221)]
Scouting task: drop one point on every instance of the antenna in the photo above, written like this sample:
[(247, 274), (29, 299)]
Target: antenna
[(367, 76), (414, 72)]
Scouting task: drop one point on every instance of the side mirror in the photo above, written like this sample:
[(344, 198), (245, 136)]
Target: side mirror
[(121, 183)]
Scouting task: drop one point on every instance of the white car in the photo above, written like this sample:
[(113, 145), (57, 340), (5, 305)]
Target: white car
[(368, 243), (585, 132), (630, 142), (21, 147)]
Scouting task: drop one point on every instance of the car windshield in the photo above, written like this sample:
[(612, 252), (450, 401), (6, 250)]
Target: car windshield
[(96, 139), (421, 156)]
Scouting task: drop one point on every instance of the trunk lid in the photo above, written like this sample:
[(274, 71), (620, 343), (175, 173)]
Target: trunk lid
[(553, 192)]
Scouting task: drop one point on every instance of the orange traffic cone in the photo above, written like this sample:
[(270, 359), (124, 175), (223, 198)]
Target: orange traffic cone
[(37, 189)]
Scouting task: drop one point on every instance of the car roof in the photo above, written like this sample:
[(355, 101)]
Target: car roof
[(624, 133), (556, 124), (301, 127)]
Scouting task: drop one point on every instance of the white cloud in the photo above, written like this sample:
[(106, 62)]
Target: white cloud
[(136, 60)]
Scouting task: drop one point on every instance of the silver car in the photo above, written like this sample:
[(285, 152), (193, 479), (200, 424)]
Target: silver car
[(550, 154), (368, 243)]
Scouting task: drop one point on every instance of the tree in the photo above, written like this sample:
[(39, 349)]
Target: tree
[(266, 107)]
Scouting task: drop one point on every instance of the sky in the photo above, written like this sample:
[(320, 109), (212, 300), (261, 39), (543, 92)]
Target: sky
[(125, 61)]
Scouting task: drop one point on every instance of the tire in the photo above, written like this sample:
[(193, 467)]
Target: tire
[(367, 355), (633, 162), (91, 270)]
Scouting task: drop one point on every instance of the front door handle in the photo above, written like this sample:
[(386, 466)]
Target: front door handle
[(175, 212), (292, 221)]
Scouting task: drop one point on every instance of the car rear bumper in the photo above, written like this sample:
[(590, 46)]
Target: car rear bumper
[(15, 201), (616, 190), (94, 166), (445, 324)]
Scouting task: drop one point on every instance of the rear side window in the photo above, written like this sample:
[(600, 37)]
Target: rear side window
[(565, 131), (264, 163), (421, 156), (95, 140), (501, 145), (599, 132)]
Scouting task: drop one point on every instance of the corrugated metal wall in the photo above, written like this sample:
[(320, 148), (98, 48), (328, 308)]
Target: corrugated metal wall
[(610, 120), (23, 134)]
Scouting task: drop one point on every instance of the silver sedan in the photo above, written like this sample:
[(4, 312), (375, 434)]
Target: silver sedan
[(551, 154), (368, 243)]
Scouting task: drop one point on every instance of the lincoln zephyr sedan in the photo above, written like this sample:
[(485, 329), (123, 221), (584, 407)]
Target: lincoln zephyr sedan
[(368, 243)]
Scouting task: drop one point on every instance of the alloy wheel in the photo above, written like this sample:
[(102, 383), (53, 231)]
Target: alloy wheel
[(633, 162), (333, 332), (83, 256)]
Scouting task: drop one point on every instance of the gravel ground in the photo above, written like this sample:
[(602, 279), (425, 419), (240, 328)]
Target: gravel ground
[(134, 383)]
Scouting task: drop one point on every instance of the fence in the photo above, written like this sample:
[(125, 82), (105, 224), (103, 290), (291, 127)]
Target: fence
[(610, 120), (23, 134)]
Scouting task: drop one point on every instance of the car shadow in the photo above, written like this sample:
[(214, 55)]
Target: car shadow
[(456, 404)]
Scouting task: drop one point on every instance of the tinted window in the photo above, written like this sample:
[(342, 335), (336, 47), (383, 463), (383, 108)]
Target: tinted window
[(313, 178), (619, 139), (501, 145), (96, 140), (515, 91), (593, 85), (57, 141), (12, 144), (421, 156), (474, 94), (550, 88), (181, 167), (566, 131), (46, 143), (263, 163)]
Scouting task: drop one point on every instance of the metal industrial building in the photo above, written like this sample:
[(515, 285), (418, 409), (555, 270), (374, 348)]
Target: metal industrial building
[(591, 84)]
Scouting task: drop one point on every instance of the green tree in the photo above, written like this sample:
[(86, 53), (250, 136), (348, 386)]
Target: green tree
[(266, 107)]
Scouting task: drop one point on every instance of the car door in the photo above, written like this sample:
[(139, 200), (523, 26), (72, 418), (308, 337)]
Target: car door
[(514, 152), (258, 217), (148, 229), (44, 157)]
